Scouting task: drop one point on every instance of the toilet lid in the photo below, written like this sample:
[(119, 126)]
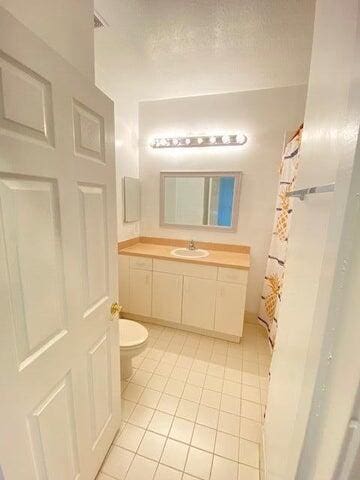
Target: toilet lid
[(131, 333)]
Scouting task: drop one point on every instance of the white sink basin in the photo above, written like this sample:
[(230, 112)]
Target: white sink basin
[(186, 253)]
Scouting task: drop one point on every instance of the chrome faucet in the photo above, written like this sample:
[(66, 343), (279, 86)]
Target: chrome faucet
[(192, 245)]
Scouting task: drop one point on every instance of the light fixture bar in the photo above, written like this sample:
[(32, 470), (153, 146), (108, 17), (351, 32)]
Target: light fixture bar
[(233, 140)]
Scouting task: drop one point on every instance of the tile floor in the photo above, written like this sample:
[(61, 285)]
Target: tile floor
[(192, 409)]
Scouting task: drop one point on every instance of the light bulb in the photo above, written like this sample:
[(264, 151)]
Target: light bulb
[(240, 138), (163, 142), (225, 139), (212, 140), (200, 140), (188, 141), (175, 141)]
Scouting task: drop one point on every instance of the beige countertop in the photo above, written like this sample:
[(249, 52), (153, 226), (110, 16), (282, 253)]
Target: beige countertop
[(217, 258)]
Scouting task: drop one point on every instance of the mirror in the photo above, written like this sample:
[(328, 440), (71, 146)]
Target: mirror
[(131, 199), (200, 199)]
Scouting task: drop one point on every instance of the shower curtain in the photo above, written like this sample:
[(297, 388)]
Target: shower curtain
[(271, 295)]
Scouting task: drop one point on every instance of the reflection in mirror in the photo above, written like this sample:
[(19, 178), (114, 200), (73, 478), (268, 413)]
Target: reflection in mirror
[(131, 199), (200, 199)]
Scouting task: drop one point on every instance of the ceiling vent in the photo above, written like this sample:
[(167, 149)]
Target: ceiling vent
[(99, 22)]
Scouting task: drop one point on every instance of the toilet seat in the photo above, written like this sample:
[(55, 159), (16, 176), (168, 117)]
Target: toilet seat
[(131, 334)]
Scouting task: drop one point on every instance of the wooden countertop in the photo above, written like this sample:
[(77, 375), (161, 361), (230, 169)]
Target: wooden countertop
[(217, 258)]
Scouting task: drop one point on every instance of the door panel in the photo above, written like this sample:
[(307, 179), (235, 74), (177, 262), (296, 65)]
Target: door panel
[(53, 434), (32, 271), (100, 385), (59, 351), (25, 102), (199, 302), (94, 245)]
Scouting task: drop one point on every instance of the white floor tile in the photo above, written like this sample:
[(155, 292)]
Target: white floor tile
[(117, 462), (157, 382), (141, 416), (141, 377), (192, 393), (170, 357), (150, 398), (232, 374), (196, 378), (199, 463), (224, 469), (168, 404), (174, 454), (149, 365), (251, 410), (161, 423), (152, 446), (232, 388), (210, 398), (200, 366), (130, 437), (229, 423), (250, 430), (181, 430), (204, 438), (216, 370), (227, 446), (166, 473), (132, 392), (187, 410), (249, 453), (180, 373), (127, 408), (248, 473), (230, 404), (207, 416), (164, 369), (174, 387), (213, 383), (141, 469), (252, 394)]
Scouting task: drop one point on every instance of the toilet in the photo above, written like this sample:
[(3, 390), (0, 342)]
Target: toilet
[(132, 341)]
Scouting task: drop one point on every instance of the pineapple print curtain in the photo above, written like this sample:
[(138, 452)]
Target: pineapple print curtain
[(271, 295)]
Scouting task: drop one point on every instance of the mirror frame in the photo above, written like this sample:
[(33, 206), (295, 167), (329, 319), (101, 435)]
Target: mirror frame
[(205, 173)]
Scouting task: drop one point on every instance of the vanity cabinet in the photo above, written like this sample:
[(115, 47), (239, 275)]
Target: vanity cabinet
[(230, 306), (199, 302), (140, 292), (167, 296), (200, 297)]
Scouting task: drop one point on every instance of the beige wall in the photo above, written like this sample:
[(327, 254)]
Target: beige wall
[(265, 116), (327, 155), (65, 25)]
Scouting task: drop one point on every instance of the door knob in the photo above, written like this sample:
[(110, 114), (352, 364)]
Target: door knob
[(115, 309)]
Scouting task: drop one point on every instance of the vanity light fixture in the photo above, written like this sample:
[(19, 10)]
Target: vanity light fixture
[(227, 140)]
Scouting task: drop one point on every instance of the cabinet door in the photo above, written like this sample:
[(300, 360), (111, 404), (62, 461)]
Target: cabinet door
[(230, 307), (167, 296), (140, 292), (199, 302)]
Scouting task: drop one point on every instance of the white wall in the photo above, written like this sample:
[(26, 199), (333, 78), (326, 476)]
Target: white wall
[(327, 155), (66, 26), (265, 116)]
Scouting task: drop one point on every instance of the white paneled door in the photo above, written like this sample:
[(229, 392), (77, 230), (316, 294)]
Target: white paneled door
[(59, 355)]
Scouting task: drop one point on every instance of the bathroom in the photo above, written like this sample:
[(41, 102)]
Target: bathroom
[(179, 217)]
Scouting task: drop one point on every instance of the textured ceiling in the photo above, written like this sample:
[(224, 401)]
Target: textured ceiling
[(169, 48)]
